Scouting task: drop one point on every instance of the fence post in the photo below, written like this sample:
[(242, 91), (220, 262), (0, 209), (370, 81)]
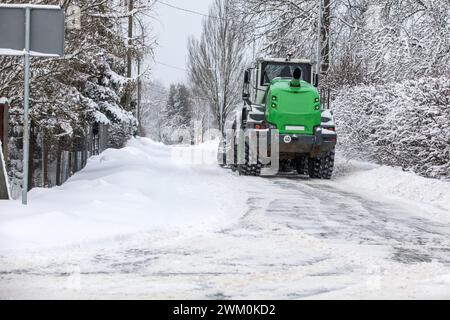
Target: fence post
[(4, 193), (4, 121), (45, 180), (32, 145), (58, 166), (4, 127)]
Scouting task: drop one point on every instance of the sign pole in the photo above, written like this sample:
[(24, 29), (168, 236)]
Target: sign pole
[(26, 129), (47, 22)]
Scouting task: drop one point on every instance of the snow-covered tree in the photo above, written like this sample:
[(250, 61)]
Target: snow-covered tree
[(404, 124), (371, 41), (154, 102), (217, 61), (177, 114)]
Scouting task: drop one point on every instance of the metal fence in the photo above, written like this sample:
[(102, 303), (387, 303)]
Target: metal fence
[(52, 164), (53, 168), (325, 96)]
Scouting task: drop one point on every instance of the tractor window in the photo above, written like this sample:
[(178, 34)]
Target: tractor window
[(272, 70)]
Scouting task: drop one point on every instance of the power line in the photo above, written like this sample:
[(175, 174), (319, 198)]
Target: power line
[(170, 66), (188, 10)]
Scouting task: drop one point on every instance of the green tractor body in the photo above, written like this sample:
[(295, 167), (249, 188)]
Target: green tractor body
[(282, 95), (293, 110)]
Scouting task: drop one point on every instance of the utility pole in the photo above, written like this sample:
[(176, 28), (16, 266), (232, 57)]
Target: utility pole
[(319, 37), (129, 53), (130, 37), (254, 48), (325, 35), (139, 93)]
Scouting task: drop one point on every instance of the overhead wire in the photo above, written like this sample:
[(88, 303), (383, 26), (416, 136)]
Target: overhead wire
[(189, 10), (184, 10), (170, 66)]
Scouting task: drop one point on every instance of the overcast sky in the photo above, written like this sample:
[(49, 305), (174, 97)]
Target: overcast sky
[(172, 28)]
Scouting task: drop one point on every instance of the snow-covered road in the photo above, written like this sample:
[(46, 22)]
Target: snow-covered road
[(283, 237)]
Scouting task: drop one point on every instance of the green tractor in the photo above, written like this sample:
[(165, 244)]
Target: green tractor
[(282, 95)]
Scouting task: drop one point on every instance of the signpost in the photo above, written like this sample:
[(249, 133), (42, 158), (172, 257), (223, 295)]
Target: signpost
[(30, 30)]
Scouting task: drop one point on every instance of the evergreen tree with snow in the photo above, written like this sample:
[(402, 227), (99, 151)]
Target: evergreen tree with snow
[(177, 114)]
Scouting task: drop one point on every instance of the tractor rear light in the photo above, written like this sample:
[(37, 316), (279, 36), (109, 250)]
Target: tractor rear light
[(317, 107), (274, 105)]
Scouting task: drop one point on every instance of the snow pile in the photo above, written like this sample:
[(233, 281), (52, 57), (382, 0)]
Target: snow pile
[(404, 124), (376, 180), (142, 187)]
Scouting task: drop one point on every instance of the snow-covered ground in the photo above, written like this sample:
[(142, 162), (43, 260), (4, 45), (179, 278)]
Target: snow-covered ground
[(142, 187), (151, 221)]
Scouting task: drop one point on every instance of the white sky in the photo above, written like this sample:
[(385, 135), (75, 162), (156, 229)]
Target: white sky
[(172, 28)]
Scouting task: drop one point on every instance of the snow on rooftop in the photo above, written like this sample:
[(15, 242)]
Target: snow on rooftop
[(4, 100), (283, 60)]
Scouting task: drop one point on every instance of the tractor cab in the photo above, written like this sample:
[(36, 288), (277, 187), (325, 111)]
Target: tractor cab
[(258, 78)]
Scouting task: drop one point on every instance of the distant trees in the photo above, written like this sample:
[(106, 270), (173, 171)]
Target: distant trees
[(153, 105), (165, 110), (177, 115), (216, 61)]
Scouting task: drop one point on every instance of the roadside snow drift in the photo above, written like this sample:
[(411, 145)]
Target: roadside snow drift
[(141, 187), (374, 180)]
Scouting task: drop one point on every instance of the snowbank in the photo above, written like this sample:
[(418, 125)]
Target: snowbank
[(404, 124), (142, 187), (368, 178)]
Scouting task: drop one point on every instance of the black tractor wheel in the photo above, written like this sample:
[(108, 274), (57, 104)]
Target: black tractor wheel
[(234, 166), (252, 166), (321, 168), (301, 166)]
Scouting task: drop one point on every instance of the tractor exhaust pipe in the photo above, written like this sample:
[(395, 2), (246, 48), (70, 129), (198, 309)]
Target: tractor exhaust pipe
[(295, 82)]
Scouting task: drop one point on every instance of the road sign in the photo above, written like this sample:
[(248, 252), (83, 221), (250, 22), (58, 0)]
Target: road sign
[(46, 30), (30, 30)]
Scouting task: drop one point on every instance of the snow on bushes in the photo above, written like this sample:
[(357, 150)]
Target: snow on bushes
[(404, 124)]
